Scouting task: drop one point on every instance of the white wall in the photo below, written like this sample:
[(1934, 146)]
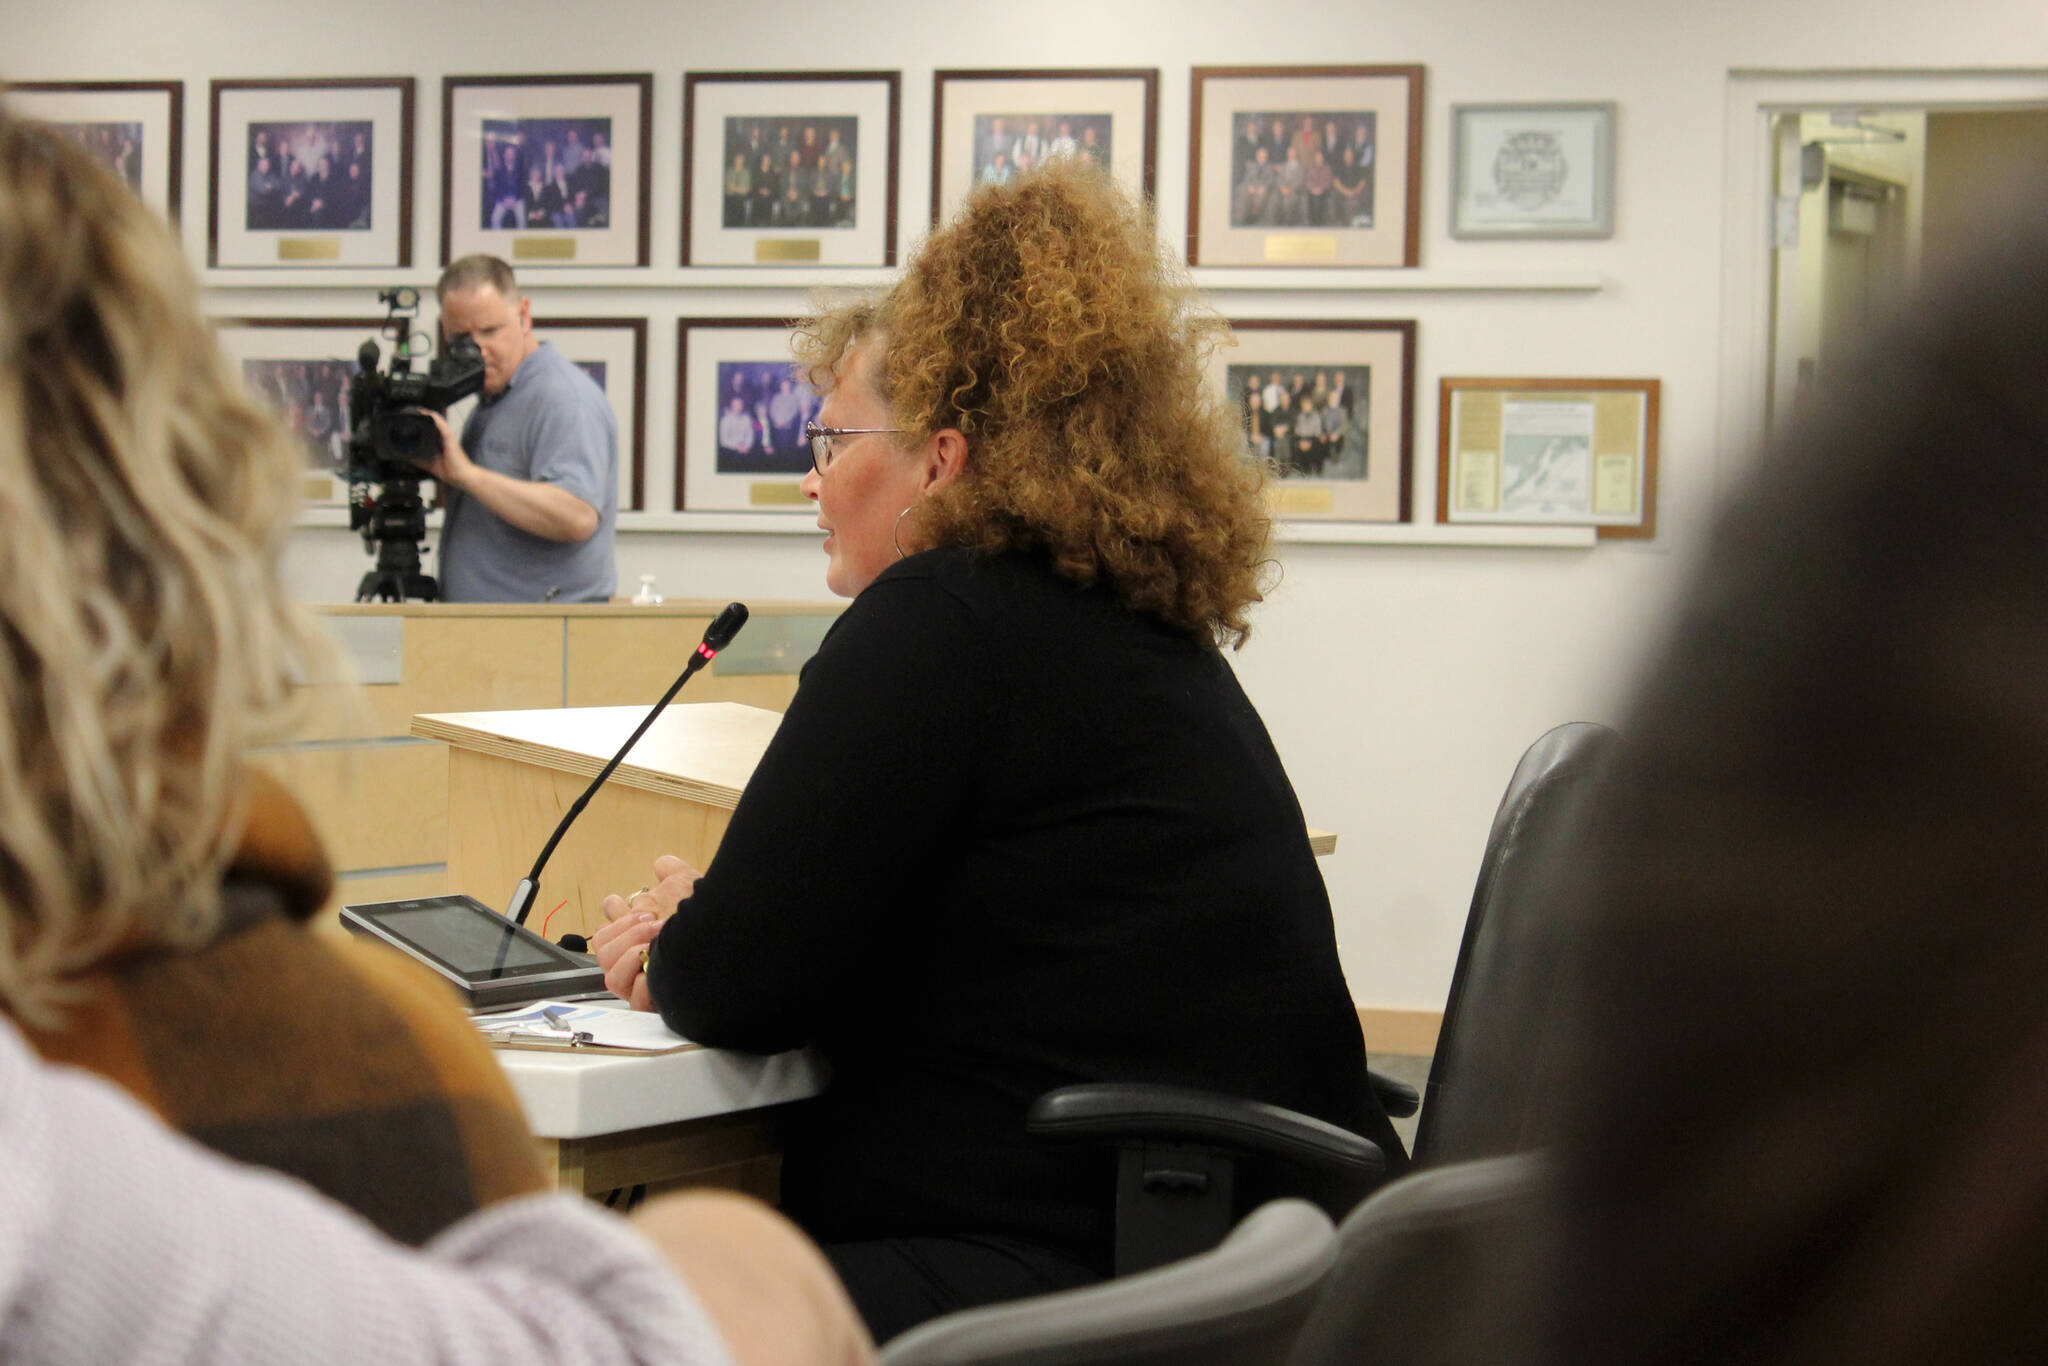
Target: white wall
[(1400, 683)]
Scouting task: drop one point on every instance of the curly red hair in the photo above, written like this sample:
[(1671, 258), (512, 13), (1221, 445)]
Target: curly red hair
[(1048, 326)]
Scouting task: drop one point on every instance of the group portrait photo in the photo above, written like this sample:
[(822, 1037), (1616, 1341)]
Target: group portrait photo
[(1007, 145), (1302, 169), (791, 172), (762, 409), (309, 175), (116, 146), (1311, 421), (546, 173), (312, 398)]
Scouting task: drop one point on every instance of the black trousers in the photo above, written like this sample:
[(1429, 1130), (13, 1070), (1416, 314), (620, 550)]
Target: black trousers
[(898, 1283)]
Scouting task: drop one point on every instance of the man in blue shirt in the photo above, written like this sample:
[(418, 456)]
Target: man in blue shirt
[(531, 489)]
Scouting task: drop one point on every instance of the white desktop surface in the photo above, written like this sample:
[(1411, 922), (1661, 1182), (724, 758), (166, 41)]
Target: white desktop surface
[(585, 1095)]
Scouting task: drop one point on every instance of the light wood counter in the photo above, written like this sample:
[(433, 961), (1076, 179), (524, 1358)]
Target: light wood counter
[(378, 793)]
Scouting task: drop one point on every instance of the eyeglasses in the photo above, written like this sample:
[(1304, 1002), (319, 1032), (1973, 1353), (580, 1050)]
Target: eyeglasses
[(821, 439)]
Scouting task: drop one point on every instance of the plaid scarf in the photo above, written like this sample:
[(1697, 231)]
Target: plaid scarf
[(339, 1063)]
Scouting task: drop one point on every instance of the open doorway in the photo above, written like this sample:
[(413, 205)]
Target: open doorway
[(1963, 162), (1884, 196)]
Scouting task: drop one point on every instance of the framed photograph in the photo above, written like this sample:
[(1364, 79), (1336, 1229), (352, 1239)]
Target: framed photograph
[(741, 406), (311, 173), (1332, 406), (1549, 452), (135, 128), (989, 125), (1305, 166), (546, 170), (302, 367), (790, 168), (1532, 170), (613, 352)]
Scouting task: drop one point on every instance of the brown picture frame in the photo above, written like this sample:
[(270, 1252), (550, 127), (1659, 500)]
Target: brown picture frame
[(794, 93), (310, 99), (627, 98), (1381, 223), (1043, 91), (1370, 476), (703, 482), (1575, 466), (103, 101)]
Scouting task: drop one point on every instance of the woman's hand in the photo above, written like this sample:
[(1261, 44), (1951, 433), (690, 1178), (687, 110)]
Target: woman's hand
[(631, 923)]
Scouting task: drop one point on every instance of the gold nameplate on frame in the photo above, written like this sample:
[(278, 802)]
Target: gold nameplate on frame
[(776, 250), (318, 488), (309, 249), (543, 248), (1295, 249), (1295, 500), (776, 495)]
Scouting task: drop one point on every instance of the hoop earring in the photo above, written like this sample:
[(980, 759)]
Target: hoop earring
[(896, 525)]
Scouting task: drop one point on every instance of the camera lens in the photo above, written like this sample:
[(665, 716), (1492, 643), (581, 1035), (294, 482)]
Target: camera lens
[(404, 437)]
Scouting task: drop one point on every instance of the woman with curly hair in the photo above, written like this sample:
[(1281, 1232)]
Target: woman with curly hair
[(1020, 826)]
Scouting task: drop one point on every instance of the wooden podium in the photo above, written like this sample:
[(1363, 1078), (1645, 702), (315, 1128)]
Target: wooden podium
[(512, 775)]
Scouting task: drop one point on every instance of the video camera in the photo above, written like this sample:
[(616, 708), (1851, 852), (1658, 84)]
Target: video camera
[(388, 432)]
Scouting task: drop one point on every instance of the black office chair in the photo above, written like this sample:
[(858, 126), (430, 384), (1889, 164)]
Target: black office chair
[(1179, 1183), (1483, 1079), (1420, 1267), (1240, 1304)]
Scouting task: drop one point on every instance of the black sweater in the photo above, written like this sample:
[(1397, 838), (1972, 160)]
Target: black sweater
[(1010, 835)]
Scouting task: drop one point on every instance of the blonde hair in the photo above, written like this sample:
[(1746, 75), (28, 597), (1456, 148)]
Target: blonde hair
[(145, 639), (1047, 326)]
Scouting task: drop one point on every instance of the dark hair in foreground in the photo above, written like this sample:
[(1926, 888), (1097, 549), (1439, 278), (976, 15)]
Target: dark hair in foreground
[(145, 639), (1804, 1115), (1047, 324)]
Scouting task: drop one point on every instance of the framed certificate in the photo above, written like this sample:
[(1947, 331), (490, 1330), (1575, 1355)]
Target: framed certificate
[(1549, 452), (1532, 170)]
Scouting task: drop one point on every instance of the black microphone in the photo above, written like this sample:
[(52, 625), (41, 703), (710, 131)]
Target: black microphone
[(717, 636)]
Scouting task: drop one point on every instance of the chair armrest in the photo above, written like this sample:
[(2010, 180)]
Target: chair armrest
[(1132, 1111), (1397, 1098)]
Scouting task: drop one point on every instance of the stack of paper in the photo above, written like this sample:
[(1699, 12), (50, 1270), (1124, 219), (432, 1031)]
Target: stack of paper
[(574, 1024)]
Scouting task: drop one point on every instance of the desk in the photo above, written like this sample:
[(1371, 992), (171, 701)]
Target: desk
[(702, 1115)]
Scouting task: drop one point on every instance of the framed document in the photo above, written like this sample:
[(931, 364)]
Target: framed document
[(787, 168), (741, 406), (613, 352), (1549, 452), (311, 173), (1305, 166), (302, 368), (1532, 170), (546, 170), (1331, 407), (135, 128), (988, 125)]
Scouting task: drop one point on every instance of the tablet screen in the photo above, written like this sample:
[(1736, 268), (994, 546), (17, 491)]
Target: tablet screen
[(477, 946)]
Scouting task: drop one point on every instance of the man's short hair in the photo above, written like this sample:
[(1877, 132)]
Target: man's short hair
[(474, 272)]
